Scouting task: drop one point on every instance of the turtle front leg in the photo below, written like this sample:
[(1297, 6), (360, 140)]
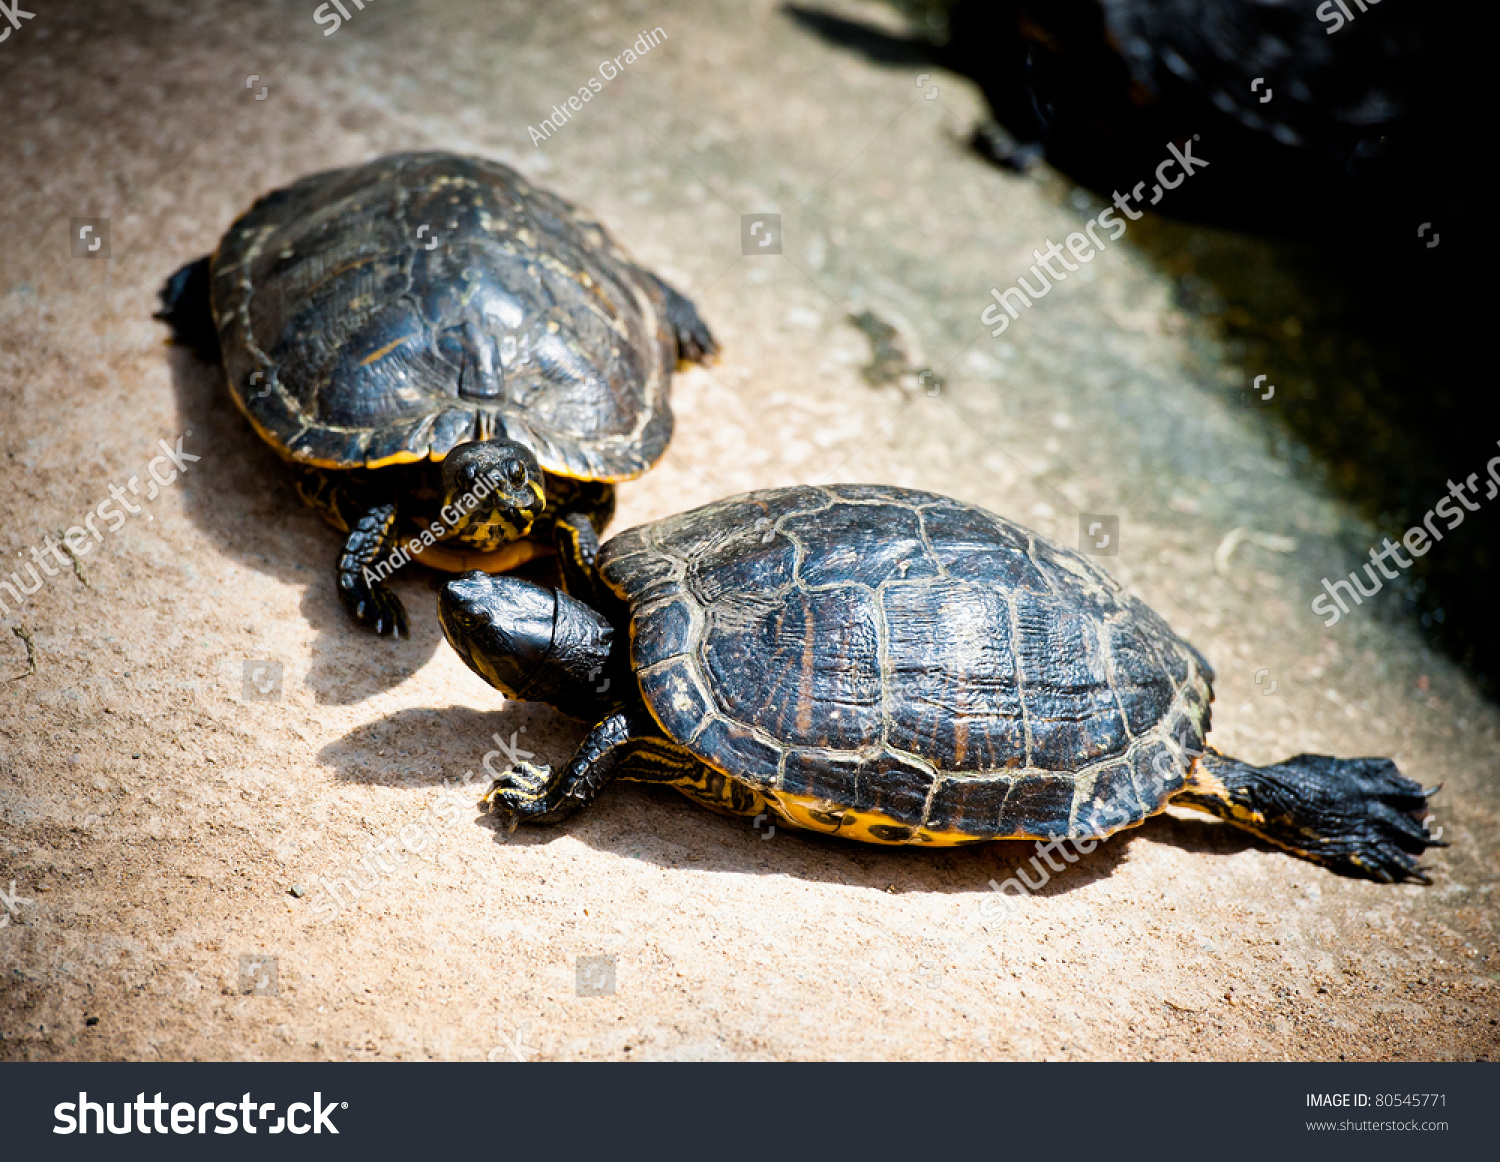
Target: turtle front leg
[(577, 549), (627, 744), (585, 509), (364, 564)]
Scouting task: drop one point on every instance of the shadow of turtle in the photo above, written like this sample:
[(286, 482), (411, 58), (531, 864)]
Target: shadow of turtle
[(424, 747), (242, 496)]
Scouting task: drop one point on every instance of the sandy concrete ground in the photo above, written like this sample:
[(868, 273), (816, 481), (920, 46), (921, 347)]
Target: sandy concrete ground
[(155, 821)]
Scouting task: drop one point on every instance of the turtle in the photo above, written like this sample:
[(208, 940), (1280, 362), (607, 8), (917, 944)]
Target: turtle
[(895, 667), (458, 365), (1097, 87)]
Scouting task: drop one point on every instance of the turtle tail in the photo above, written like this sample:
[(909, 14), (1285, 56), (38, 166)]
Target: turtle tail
[(185, 307), (1359, 817)]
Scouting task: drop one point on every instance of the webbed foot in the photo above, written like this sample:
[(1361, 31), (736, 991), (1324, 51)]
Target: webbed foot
[(1360, 817)]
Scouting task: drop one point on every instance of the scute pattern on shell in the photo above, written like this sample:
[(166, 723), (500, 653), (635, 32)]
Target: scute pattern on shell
[(904, 654), (396, 309)]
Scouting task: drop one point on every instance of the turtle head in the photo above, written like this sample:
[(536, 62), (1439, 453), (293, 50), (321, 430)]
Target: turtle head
[(492, 492), (529, 642)]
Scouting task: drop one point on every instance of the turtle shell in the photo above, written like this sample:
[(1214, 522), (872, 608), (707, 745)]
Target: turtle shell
[(388, 312), (908, 666)]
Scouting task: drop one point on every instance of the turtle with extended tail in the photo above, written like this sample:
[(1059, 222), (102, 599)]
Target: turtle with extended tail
[(458, 364), (895, 667)]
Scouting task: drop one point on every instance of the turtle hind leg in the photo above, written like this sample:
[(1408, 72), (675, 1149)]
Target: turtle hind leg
[(364, 564), (695, 343), (1360, 817), (186, 308), (626, 744)]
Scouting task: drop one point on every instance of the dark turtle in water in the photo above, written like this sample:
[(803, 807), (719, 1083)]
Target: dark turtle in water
[(459, 365), (1098, 87), (896, 667)]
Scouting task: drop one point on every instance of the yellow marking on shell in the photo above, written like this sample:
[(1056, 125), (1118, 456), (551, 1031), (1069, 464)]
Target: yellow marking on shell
[(845, 822), (809, 814), (819, 815), (601, 478), (402, 457), (382, 352), (502, 560), (277, 443), (311, 462), (265, 433)]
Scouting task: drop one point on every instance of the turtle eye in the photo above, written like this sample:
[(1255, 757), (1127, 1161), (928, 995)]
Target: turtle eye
[(513, 471)]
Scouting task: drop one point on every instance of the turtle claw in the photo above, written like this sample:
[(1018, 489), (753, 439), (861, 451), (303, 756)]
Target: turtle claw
[(375, 606), (396, 624), (507, 819), (520, 793)]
